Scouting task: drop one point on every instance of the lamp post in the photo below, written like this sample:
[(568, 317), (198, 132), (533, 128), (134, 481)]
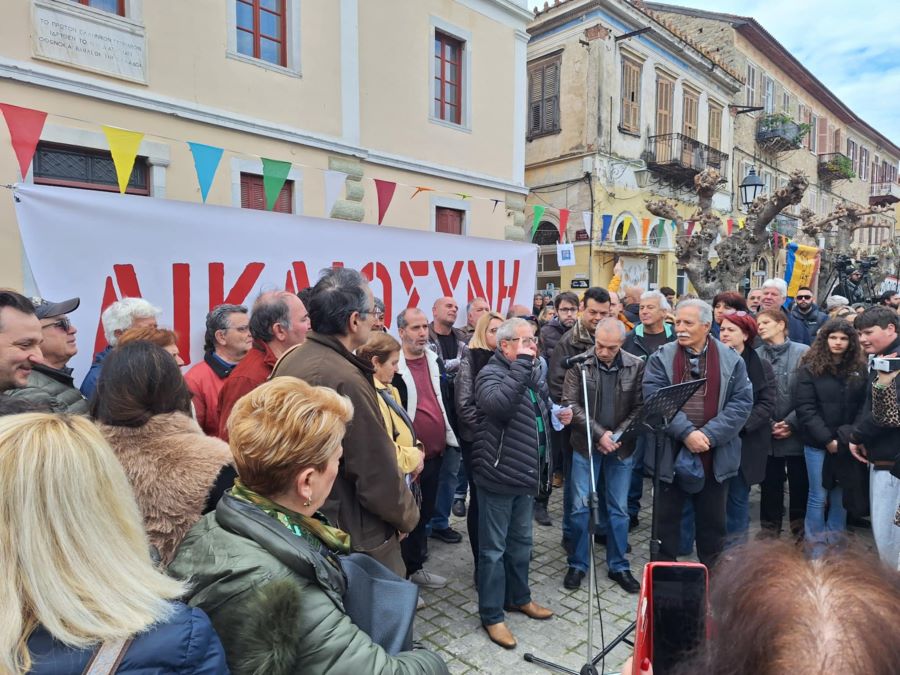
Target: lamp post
[(751, 186)]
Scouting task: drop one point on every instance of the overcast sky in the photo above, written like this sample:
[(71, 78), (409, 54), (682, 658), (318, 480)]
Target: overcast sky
[(852, 47)]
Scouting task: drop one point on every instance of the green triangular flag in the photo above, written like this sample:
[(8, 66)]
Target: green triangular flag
[(275, 172), (538, 214)]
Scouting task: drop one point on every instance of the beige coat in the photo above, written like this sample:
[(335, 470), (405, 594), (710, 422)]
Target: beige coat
[(172, 466)]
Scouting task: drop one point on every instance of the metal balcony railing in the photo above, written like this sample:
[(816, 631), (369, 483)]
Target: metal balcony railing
[(884, 193), (835, 166), (777, 133), (679, 158)]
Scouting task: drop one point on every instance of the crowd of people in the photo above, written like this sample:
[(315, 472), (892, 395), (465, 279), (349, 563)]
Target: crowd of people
[(230, 518)]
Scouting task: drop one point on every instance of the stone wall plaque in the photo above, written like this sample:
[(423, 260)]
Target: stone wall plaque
[(89, 39)]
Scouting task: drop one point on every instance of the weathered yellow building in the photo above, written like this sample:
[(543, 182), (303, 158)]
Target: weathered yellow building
[(621, 109), (423, 93)]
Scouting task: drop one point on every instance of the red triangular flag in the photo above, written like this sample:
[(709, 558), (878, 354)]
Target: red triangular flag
[(563, 222), (730, 225), (385, 190), (690, 228), (25, 126)]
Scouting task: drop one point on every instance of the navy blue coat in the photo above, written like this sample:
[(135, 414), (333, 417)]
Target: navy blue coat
[(186, 643)]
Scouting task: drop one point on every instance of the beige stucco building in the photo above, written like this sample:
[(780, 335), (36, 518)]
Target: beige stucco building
[(420, 92), (622, 109), (789, 120)]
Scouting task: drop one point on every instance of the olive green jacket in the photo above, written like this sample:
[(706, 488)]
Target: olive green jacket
[(277, 607), (53, 388)]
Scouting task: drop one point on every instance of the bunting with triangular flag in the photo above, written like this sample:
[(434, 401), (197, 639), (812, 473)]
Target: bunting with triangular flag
[(626, 225), (645, 229), (690, 228), (334, 183), (385, 191), (741, 223), (496, 202), (206, 162), (587, 218), (730, 225), (275, 173), (421, 188), (607, 223), (25, 126), (463, 195), (563, 223), (123, 146), (536, 220)]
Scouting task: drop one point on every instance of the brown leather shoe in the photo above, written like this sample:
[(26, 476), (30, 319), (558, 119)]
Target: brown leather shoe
[(499, 634), (533, 611)]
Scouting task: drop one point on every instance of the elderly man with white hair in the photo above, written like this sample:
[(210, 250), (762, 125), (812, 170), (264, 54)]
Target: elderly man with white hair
[(116, 319), (774, 297), (703, 446)]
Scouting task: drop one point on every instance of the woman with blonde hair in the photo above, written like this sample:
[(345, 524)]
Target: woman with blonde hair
[(478, 352), (266, 564), (75, 568)]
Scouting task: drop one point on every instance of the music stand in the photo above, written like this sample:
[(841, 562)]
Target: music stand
[(656, 414)]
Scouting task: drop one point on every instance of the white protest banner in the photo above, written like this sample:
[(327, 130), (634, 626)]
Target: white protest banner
[(187, 258)]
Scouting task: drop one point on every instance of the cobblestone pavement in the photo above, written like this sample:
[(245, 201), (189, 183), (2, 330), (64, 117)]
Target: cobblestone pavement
[(449, 621)]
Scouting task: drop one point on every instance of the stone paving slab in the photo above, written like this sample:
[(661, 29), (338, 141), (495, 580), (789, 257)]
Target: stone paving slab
[(449, 622)]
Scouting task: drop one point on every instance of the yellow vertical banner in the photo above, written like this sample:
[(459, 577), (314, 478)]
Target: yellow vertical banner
[(123, 145)]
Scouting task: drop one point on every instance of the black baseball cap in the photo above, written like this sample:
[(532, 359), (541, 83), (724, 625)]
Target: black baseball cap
[(45, 308)]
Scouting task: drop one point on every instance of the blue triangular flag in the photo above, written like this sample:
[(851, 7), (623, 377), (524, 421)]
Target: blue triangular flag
[(206, 161)]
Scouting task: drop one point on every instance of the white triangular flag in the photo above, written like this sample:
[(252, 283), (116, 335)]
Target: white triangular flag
[(587, 217)]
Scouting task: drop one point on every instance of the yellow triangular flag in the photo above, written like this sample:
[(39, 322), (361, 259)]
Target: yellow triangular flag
[(123, 145), (626, 225)]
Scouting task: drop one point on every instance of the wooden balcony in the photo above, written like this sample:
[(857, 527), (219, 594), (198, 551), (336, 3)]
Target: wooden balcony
[(678, 158)]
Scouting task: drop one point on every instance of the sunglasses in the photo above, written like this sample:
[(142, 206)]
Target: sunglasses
[(804, 297), (65, 324)]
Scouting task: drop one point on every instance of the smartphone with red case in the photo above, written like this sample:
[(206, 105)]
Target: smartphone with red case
[(672, 614)]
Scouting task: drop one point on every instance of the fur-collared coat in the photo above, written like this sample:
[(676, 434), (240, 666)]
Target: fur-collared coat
[(173, 467)]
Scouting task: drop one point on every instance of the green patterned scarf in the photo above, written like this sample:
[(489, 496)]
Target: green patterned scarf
[(315, 529)]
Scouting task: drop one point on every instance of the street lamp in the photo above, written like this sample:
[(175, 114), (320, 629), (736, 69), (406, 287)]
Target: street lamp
[(751, 186)]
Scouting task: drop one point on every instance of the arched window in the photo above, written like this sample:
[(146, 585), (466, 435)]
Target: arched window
[(633, 235), (546, 234)]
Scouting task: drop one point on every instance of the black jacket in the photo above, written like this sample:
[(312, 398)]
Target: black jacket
[(473, 360), (813, 319), (827, 408), (634, 341), (574, 341), (551, 332), (506, 458), (756, 436), (882, 443)]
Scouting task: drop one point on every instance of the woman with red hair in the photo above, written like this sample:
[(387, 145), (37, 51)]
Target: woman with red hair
[(738, 330)]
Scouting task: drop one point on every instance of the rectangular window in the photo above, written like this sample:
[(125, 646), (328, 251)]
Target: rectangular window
[(631, 96), (664, 91), (112, 6), (851, 153), (689, 113), (864, 164), (812, 135), (715, 126), (449, 221), (767, 179), (543, 97), (448, 59), (261, 29), (752, 87), (768, 95), (787, 103), (822, 140), (253, 194), (69, 166), (836, 139)]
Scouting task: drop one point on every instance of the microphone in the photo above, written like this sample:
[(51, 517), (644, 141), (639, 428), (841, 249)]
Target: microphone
[(576, 360)]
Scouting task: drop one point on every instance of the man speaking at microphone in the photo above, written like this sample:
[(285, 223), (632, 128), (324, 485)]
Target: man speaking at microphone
[(614, 399)]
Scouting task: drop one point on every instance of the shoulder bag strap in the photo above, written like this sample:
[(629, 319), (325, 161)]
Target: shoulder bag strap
[(397, 408), (107, 658)]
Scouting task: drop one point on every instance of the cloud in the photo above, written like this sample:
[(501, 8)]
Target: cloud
[(852, 48)]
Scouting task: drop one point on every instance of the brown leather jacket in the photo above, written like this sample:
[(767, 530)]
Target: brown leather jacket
[(629, 400), (370, 499)]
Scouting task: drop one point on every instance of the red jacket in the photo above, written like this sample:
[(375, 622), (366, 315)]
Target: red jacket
[(205, 380), (252, 371)]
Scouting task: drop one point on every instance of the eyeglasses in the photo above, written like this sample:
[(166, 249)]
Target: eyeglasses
[(524, 340), (65, 324), (239, 329), (566, 310), (804, 297)]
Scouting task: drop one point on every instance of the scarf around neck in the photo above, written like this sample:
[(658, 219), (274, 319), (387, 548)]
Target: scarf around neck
[(680, 373), (315, 529)]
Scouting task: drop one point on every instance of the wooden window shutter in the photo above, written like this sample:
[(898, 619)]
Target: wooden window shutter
[(689, 114), (535, 100), (822, 136), (631, 95), (663, 106), (551, 96), (253, 194), (715, 127)]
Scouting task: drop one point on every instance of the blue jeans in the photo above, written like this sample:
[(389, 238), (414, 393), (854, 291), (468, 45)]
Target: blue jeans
[(462, 483), (821, 532), (615, 475), (737, 510), (504, 553), (446, 488), (636, 489)]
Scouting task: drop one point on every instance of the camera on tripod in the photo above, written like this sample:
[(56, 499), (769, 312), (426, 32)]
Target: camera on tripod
[(867, 264)]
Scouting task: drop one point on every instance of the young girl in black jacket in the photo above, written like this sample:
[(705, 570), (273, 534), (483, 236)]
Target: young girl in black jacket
[(830, 391)]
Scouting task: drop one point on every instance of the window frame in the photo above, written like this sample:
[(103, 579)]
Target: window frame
[(539, 68), (751, 88), (289, 184), (690, 102), (292, 67), (768, 95), (463, 205), (256, 33), (440, 81), (630, 110), (863, 163), (143, 159), (120, 7), (715, 110), (439, 25)]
